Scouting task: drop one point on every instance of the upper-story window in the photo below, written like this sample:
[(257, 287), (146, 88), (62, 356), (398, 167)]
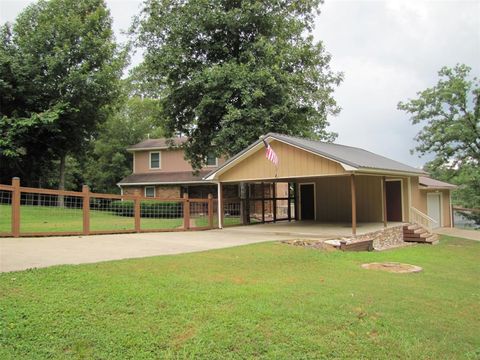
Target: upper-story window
[(211, 160), (155, 162)]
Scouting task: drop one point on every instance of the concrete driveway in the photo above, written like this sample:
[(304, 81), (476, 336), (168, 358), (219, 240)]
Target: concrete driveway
[(25, 253)]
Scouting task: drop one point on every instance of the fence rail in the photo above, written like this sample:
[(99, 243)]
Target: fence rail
[(26, 211)]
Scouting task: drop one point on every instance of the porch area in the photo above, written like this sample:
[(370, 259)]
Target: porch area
[(310, 229), (324, 206)]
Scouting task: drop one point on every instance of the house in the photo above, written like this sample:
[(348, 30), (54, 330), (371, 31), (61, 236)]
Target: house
[(336, 183), (314, 180), (160, 170)]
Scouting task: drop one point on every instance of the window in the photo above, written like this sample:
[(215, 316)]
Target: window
[(149, 191), (155, 160), (211, 160)]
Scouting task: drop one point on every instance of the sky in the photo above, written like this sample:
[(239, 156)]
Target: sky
[(388, 50)]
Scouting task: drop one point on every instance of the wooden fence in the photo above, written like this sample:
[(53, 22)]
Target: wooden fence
[(28, 211)]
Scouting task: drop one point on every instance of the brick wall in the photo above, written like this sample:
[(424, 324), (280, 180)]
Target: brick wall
[(161, 191), (168, 191)]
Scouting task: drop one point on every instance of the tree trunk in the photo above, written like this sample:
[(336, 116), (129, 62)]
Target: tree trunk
[(61, 183), (39, 196)]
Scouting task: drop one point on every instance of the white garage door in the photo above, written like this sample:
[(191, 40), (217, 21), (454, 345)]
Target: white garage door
[(434, 209)]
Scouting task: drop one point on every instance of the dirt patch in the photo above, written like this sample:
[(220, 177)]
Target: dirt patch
[(393, 267), (314, 244)]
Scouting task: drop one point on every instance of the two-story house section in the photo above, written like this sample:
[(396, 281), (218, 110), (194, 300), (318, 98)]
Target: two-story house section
[(160, 170)]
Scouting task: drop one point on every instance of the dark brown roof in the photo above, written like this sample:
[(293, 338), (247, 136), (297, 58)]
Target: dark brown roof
[(434, 184), (179, 177), (162, 143)]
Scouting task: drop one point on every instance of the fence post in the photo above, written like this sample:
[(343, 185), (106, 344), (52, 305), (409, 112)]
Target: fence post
[(137, 211), (186, 212), (210, 211), (16, 196), (86, 209)]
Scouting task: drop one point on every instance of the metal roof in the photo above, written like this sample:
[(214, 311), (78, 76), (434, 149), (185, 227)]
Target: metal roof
[(356, 158), (162, 143), (178, 177), (434, 184)]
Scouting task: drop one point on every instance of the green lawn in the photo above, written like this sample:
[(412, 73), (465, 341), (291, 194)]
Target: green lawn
[(58, 219), (267, 300)]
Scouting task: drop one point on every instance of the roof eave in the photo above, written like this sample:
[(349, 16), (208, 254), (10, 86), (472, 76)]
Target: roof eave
[(390, 172), (238, 157), (163, 183), (152, 148), (424, 187)]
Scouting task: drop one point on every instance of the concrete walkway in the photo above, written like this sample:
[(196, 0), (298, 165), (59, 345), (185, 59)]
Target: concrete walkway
[(463, 233), (25, 253)]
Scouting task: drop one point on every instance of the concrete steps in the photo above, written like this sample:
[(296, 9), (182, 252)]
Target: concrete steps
[(418, 234)]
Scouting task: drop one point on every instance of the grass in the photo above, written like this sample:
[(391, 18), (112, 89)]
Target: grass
[(266, 301), (227, 221), (58, 219)]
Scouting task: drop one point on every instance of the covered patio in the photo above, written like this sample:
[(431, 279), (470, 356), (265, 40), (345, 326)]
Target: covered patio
[(316, 188), (310, 229)]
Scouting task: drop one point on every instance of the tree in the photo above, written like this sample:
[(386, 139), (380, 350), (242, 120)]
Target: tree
[(450, 115), (227, 71), (108, 162), (63, 69)]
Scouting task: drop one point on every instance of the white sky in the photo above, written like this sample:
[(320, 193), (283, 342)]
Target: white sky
[(387, 49)]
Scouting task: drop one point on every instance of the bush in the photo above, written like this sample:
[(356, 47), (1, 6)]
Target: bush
[(148, 209)]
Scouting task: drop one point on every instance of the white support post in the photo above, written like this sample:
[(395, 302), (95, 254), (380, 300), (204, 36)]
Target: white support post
[(219, 205)]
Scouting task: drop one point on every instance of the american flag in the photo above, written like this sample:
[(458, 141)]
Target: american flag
[(270, 154)]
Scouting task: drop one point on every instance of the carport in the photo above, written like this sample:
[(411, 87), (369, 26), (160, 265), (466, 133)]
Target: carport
[(315, 181)]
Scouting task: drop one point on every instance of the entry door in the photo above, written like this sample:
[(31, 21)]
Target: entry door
[(434, 209), (307, 201), (394, 200)]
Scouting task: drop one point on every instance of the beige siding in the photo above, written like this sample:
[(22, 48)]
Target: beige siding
[(419, 198), (334, 201), (293, 162), (170, 161), (369, 198), (419, 201), (446, 208)]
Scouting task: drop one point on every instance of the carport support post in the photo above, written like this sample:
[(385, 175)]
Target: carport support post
[(16, 195), (384, 187), (295, 200), (289, 207), (354, 205), (263, 202), (86, 209), (220, 205), (274, 192)]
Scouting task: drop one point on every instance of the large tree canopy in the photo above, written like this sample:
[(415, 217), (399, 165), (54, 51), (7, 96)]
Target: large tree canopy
[(60, 69), (108, 160), (227, 71), (450, 115)]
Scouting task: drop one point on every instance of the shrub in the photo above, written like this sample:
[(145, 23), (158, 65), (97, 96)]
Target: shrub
[(148, 209)]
